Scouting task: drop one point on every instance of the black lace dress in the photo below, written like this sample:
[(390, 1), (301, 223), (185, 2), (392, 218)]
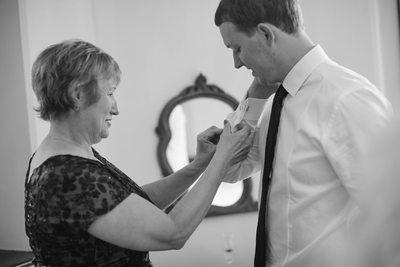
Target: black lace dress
[(64, 195)]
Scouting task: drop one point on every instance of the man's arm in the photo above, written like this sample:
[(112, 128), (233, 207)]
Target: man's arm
[(250, 110), (358, 119)]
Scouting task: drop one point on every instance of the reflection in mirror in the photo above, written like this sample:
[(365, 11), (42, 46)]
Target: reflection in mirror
[(228, 194), (195, 109), (194, 116)]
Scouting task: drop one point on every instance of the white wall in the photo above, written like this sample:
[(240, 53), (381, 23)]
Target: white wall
[(360, 34), (14, 134), (161, 47)]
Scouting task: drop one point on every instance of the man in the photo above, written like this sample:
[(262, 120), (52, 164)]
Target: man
[(328, 117)]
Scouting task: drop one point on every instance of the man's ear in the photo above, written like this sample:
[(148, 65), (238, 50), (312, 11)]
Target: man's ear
[(266, 30)]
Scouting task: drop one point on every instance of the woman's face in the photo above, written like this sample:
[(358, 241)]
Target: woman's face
[(97, 117)]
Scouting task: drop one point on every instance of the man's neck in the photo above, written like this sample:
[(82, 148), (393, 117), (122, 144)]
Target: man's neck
[(294, 48)]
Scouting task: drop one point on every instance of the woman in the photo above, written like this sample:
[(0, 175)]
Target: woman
[(80, 209)]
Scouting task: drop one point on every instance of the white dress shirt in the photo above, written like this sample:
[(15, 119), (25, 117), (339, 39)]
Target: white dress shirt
[(329, 116)]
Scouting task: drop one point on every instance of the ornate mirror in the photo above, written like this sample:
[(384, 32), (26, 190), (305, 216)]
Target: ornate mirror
[(193, 110)]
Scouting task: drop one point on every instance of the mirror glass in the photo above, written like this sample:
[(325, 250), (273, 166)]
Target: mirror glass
[(186, 121)]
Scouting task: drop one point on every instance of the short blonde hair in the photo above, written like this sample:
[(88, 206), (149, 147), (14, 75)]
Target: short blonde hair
[(63, 67)]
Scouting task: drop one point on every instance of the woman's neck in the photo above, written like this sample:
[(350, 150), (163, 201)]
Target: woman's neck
[(70, 139)]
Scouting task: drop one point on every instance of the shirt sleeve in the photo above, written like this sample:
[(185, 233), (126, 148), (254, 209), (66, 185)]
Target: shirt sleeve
[(250, 111), (356, 120)]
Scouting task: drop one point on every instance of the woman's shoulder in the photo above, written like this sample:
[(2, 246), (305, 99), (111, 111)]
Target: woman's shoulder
[(63, 165), (59, 158), (68, 162), (71, 177), (55, 155)]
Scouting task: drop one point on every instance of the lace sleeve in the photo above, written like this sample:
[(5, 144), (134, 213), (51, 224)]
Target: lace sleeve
[(82, 193)]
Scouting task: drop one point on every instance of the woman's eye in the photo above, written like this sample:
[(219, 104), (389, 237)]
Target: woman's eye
[(111, 92)]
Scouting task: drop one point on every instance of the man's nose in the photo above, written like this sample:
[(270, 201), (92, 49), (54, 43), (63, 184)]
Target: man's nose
[(238, 63)]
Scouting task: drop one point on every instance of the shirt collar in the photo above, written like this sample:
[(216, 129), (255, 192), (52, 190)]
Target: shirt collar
[(303, 68)]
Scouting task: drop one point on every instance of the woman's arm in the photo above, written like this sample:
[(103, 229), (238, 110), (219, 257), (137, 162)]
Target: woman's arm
[(137, 224), (166, 190)]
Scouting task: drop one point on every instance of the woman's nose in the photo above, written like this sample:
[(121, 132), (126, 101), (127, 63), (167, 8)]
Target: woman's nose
[(114, 109)]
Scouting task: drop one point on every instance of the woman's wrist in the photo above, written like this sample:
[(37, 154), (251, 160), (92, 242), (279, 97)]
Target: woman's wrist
[(199, 164), (220, 162)]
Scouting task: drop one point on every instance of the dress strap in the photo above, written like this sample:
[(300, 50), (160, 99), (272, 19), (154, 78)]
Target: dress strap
[(29, 168)]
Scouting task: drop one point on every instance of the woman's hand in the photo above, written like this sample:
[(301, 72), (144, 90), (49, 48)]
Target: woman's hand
[(206, 145), (234, 144)]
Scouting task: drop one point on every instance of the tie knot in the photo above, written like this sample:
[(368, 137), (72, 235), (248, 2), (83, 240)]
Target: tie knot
[(280, 94)]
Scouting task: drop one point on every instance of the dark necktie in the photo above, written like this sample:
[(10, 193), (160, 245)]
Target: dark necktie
[(263, 253)]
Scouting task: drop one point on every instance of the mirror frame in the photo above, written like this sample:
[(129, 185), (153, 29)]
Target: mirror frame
[(200, 89)]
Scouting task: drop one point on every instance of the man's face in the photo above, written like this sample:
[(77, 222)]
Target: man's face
[(251, 51)]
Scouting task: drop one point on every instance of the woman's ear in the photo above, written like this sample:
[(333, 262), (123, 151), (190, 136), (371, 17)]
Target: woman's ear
[(267, 32), (77, 98)]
